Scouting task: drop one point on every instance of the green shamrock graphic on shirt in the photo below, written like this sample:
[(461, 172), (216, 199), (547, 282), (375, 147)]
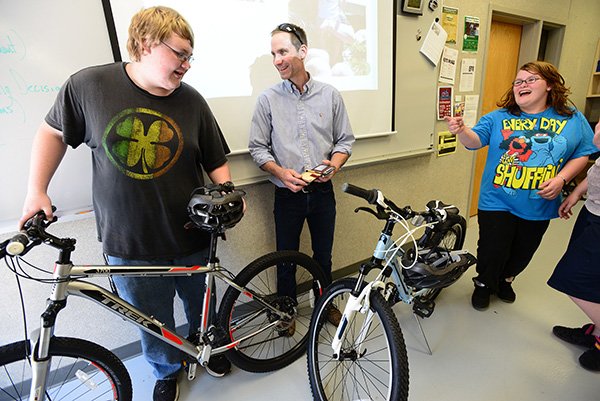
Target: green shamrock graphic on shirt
[(142, 143)]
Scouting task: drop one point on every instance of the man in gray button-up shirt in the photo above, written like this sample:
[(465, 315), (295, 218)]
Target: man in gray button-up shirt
[(298, 124)]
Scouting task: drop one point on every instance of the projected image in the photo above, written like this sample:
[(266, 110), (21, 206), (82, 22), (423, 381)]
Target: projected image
[(233, 41), (350, 47), (342, 41)]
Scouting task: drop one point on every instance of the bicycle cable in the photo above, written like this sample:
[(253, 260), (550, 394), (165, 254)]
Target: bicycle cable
[(403, 239), (23, 313)]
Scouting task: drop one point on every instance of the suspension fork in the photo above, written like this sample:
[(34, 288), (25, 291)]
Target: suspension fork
[(39, 340), (361, 304)]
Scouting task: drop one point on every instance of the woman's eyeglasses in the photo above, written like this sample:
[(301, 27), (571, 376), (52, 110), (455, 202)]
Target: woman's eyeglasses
[(529, 81)]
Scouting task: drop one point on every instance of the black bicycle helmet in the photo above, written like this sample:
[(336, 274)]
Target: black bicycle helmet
[(435, 269), (215, 208)]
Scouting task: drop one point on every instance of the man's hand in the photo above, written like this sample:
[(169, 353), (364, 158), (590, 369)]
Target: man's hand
[(291, 179), (325, 178)]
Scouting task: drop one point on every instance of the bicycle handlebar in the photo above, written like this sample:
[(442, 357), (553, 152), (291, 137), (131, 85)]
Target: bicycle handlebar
[(16, 245), (371, 196), (375, 197), (435, 209), (32, 234)]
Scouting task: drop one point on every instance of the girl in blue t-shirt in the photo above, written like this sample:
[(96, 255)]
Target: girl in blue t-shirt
[(537, 143)]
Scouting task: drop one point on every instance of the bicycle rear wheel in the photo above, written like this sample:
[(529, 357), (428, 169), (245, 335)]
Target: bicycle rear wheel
[(373, 364), (267, 339), (450, 238), (451, 234), (80, 370)]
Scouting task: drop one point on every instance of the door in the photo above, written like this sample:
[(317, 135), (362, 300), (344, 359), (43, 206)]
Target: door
[(501, 68)]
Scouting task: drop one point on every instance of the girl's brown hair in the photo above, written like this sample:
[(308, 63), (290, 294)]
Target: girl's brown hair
[(557, 96)]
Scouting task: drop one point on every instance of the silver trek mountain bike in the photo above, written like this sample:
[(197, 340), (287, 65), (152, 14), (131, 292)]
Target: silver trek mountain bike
[(364, 357), (257, 329)]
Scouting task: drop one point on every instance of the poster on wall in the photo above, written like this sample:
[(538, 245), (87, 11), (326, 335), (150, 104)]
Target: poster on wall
[(433, 45), (450, 23), (444, 102), (446, 143), (467, 74), (471, 36), (448, 66)]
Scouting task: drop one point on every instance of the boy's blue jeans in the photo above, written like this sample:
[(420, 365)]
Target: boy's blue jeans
[(154, 296)]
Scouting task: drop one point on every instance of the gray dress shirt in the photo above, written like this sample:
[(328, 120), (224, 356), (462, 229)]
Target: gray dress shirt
[(297, 130)]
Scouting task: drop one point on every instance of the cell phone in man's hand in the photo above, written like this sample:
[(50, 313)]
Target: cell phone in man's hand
[(318, 171)]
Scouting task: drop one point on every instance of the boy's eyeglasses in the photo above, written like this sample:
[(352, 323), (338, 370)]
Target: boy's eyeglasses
[(180, 55)]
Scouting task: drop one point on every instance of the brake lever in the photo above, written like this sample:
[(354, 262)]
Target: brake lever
[(379, 214)]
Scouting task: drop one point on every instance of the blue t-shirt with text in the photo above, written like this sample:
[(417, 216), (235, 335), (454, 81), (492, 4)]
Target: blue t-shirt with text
[(524, 151)]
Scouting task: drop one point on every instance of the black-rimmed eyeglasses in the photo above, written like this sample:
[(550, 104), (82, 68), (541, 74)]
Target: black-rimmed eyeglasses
[(291, 29), (180, 55)]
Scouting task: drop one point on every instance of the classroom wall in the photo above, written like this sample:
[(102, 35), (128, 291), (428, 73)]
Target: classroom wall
[(411, 181)]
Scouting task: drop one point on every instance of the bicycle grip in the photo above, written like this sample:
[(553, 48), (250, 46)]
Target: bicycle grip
[(17, 244), (368, 195)]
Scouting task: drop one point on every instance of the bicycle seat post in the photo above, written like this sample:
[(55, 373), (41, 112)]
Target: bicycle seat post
[(212, 250)]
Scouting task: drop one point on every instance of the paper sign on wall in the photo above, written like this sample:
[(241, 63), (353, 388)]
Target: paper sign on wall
[(433, 45), (445, 102)]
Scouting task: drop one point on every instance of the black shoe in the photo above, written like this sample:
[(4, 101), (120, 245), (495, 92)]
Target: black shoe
[(218, 366), (506, 292), (166, 390), (590, 359), (481, 297), (581, 336)]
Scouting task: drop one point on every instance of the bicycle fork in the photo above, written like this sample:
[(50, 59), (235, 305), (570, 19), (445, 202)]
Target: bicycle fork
[(361, 304), (39, 366), (39, 341)]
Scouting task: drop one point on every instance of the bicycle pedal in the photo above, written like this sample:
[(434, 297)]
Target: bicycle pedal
[(423, 309)]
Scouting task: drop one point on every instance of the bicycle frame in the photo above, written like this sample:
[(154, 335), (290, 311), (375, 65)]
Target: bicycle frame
[(67, 282), (386, 258)]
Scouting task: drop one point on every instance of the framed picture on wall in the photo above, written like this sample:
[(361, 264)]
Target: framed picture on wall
[(412, 6)]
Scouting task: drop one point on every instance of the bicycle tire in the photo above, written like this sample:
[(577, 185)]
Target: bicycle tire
[(456, 226), (80, 370), (375, 369), (280, 345), (451, 237)]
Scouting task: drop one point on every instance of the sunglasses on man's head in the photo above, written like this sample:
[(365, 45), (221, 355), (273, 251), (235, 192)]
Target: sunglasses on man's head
[(291, 29)]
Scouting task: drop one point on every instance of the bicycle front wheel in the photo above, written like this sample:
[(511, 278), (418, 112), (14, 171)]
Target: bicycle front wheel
[(271, 328), (79, 370), (372, 365)]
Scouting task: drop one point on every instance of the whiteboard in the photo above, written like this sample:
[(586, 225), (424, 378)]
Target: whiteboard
[(41, 44)]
